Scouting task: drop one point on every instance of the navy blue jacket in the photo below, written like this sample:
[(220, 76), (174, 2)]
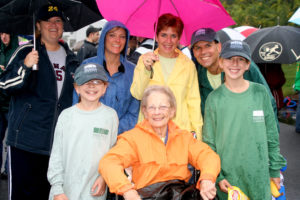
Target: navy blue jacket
[(34, 105)]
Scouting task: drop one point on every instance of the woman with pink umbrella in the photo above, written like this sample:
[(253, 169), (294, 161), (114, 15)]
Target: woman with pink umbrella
[(168, 66)]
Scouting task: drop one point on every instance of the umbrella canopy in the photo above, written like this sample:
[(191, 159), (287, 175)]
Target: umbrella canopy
[(229, 34), (295, 17), (17, 16), (140, 16), (246, 30), (277, 44)]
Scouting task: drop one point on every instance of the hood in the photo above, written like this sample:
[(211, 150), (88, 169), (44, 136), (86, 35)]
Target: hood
[(14, 43), (108, 26)]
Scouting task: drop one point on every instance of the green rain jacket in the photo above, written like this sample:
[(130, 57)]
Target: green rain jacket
[(5, 54)]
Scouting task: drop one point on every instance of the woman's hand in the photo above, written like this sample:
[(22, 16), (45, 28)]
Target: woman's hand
[(149, 59), (60, 197), (208, 189), (224, 185), (131, 195), (31, 59), (99, 187)]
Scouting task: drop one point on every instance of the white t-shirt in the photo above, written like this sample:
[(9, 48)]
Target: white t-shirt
[(58, 60)]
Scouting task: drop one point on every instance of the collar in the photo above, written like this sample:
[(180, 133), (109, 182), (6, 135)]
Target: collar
[(176, 50), (90, 42), (121, 68), (146, 127)]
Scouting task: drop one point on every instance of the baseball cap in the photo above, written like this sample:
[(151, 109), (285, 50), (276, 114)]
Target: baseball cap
[(204, 34), (92, 29), (47, 11), (235, 48), (89, 71)]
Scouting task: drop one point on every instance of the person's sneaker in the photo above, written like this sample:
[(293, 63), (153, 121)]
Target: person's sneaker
[(3, 176)]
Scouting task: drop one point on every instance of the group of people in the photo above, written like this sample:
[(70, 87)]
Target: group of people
[(75, 128)]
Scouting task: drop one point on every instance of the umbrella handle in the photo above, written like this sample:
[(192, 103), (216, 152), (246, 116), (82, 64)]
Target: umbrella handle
[(35, 66)]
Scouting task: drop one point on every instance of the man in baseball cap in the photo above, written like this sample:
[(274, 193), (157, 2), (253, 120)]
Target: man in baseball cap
[(205, 49)]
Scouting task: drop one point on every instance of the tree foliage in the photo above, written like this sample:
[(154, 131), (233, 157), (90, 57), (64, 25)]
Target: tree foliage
[(261, 13)]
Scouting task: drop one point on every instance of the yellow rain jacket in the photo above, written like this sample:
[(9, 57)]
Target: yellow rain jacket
[(152, 161), (183, 82)]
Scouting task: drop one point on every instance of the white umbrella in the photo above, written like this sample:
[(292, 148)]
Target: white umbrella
[(229, 34)]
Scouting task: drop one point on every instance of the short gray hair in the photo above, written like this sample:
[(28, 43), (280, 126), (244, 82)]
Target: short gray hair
[(162, 89)]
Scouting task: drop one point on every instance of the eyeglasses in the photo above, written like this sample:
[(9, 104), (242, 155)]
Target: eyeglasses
[(160, 108), (94, 82)]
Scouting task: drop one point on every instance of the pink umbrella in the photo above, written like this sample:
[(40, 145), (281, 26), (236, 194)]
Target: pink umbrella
[(246, 30), (140, 15)]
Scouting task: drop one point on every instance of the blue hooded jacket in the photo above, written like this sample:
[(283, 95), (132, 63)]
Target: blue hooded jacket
[(117, 94)]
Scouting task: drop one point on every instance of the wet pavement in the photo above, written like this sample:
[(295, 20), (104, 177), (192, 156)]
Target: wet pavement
[(290, 149)]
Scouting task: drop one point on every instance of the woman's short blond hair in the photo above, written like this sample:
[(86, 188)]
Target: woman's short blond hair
[(162, 89)]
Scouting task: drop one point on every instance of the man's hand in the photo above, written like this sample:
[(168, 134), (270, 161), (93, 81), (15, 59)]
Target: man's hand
[(2, 67)]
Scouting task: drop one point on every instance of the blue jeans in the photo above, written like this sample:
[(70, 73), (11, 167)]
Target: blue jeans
[(298, 117), (3, 127)]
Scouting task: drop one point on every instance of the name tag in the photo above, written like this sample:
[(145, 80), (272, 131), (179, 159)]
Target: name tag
[(100, 131), (258, 116)]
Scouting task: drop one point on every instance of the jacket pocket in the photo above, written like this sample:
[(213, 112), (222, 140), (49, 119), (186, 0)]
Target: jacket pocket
[(22, 115)]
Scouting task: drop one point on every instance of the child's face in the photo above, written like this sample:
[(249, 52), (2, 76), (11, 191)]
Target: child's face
[(91, 91), (234, 67)]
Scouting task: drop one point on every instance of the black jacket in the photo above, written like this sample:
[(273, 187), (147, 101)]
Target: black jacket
[(34, 106), (87, 50)]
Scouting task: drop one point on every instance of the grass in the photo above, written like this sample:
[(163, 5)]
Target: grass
[(290, 74), (287, 115)]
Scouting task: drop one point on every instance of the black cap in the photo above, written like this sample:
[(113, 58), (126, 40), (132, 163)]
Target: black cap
[(235, 48), (47, 11), (204, 34), (92, 29)]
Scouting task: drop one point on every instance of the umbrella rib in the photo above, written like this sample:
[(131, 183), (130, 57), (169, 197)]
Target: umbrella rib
[(135, 11)]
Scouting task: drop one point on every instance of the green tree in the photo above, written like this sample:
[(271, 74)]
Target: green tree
[(261, 13)]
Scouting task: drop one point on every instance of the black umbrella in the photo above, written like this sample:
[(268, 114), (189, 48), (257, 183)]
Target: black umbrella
[(16, 16), (277, 44)]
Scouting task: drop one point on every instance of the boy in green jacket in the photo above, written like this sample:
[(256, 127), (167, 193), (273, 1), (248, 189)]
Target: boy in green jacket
[(240, 126)]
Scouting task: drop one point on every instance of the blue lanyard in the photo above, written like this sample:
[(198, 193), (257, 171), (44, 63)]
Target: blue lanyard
[(166, 138)]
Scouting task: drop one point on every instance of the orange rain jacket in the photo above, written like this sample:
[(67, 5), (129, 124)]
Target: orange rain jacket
[(152, 161)]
